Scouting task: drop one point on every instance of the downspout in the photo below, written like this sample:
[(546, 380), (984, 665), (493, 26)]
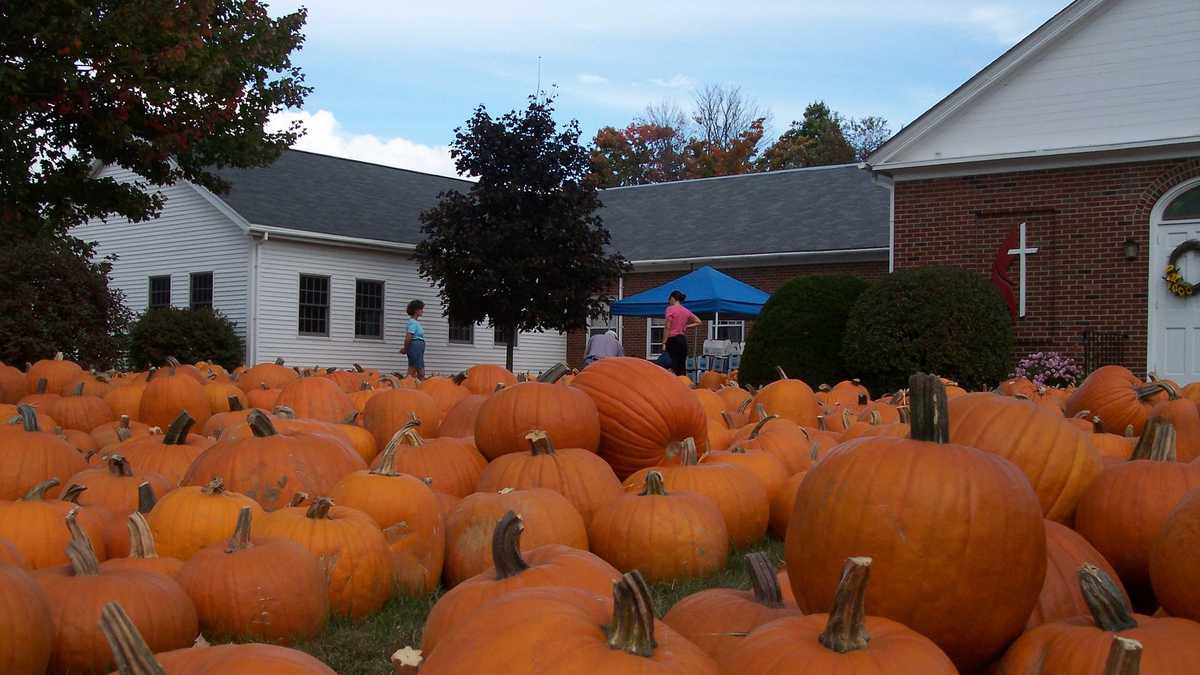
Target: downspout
[(252, 310), (621, 319)]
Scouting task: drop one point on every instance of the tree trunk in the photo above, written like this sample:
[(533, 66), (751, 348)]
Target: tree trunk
[(508, 349)]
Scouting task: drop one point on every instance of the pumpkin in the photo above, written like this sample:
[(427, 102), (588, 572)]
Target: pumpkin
[(349, 381), (390, 410), (1180, 412), (1115, 448), (712, 380), (143, 555), (1173, 571), (271, 590), (782, 504), (926, 497), (39, 397), (720, 432), (29, 456), (581, 476), (844, 641), (58, 372), (81, 441), (235, 416), (665, 535), (272, 466), (409, 514), (769, 471), (452, 465), (170, 391), (483, 379), (317, 398), (360, 397), (1066, 552), (568, 630), (24, 622), (1126, 507), (76, 410), (33, 524), (114, 486), (157, 605), (167, 454), (8, 413), (717, 620), (460, 419), (551, 565), (11, 555), (220, 395), (1118, 397), (188, 519), (738, 494), (274, 375), (350, 547), (263, 397), (789, 399), (548, 518), (1082, 644), (734, 397), (444, 391), (13, 384), (565, 413), (118, 431), (1018, 387), (114, 535), (126, 399), (789, 442)]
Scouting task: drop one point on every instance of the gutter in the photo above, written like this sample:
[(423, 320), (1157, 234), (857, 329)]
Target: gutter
[(759, 259), (321, 237)]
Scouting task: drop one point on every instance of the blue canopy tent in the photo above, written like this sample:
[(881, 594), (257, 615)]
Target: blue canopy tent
[(709, 294)]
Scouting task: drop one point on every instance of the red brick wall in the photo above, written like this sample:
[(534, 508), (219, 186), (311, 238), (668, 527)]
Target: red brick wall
[(765, 278), (1078, 218)]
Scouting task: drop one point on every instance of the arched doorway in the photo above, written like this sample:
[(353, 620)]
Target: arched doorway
[(1174, 339)]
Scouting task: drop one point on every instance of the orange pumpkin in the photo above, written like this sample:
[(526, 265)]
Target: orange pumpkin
[(25, 617), (13, 384), (789, 399), (126, 399), (273, 375), (565, 413), (77, 410), (390, 410), (167, 454), (169, 392), (220, 394), (1180, 412), (317, 398), (58, 372), (789, 442), (444, 391), (783, 503), (142, 552), (452, 465), (114, 486), (483, 379), (1066, 552), (190, 518), (29, 456), (118, 431), (263, 397), (460, 419), (1173, 571), (1118, 397)]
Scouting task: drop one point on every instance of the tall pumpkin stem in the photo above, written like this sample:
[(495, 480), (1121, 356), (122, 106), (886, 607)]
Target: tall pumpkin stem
[(28, 415), (319, 508), (146, 498), (80, 551), (235, 403), (779, 371), (654, 485), (1105, 602), (846, 629), (130, 651), (728, 420), (177, 433), (387, 458), (1157, 443), (409, 431), (632, 626), (119, 466), (554, 374), (38, 492), (506, 546), (40, 386), (123, 431), (539, 442), (930, 419), (260, 424), (1124, 657), (763, 580), (141, 539), (760, 424), (240, 540), (71, 494)]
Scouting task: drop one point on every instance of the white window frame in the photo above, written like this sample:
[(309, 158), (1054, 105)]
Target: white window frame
[(450, 339), (654, 347), (713, 326)]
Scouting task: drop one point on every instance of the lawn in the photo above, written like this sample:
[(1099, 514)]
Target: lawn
[(364, 648)]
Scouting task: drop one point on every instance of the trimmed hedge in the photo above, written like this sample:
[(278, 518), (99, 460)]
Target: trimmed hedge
[(942, 320), (188, 335), (800, 329)]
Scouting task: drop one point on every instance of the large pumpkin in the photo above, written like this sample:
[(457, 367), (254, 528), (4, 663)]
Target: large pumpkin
[(483, 379), (1066, 552), (645, 413), (1118, 397), (115, 486), (119, 431), (168, 454), (126, 399), (1173, 570), (13, 385), (926, 498), (190, 518), (317, 398), (24, 622), (29, 456), (33, 524), (768, 469), (142, 552), (445, 392), (789, 399), (459, 421), (791, 443), (58, 372), (566, 414), (389, 411), (273, 375), (451, 465), (1182, 413), (77, 410), (169, 392), (783, 503)]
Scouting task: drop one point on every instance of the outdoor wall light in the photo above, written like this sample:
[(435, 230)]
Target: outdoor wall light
[(1131, 249)]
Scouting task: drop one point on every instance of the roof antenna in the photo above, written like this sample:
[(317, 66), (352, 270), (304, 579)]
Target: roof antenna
[(539, 76)]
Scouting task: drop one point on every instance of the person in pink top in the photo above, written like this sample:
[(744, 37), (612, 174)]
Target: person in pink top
[(678, 319)]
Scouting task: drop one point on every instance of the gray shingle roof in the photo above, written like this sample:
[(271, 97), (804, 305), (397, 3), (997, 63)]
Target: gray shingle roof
[(818, 209)]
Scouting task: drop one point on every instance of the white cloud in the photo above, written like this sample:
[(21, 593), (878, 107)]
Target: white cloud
[(324, 134), (588, 78), (676, 81), (1005, 23)]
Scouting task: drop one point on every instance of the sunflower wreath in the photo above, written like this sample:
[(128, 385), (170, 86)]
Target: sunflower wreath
[(1176, 284)]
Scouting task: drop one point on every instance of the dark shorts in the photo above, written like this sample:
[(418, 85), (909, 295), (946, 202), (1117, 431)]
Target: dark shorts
[(416, 354), (677, 347)]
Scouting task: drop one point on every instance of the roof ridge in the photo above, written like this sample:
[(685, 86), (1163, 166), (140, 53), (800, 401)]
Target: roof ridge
[(823, 167), (377, 164)]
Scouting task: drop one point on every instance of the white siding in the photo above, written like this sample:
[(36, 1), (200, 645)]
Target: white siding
[(1128, 74), (280, 265), (191, 235)]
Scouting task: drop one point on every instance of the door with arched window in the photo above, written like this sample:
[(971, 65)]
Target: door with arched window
[(1174, 340)]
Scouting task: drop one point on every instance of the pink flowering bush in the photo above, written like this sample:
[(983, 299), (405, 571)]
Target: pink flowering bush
[(1049, 369)]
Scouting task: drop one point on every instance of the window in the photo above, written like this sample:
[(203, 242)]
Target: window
[(499, 339), (462, 332), (734, 331), (655, 334), (314, 305), (1184, 207), (201, 290), (160, 292), (368, 309)]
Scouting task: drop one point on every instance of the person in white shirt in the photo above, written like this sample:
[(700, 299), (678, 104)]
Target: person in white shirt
[(603, 346)]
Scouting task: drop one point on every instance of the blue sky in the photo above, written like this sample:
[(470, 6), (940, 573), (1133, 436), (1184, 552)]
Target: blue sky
[(392, 79)]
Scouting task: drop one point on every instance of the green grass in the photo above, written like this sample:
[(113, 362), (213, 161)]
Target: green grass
[(363, 648)]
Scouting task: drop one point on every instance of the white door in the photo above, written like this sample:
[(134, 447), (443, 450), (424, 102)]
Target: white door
[(1174, 347)]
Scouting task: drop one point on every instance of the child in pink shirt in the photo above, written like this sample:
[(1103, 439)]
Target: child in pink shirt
[(678, 319)]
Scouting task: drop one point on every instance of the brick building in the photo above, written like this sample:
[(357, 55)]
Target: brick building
[(1086, 135)]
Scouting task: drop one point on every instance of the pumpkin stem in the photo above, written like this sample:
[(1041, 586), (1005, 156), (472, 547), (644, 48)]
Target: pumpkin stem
[(39, 387), (141, 539), (319, 508), (506, 546), (539, 442), (130, 651), (28, 415), (177, 433), (240, 540), (123, 432), (173, 363), (763, 580), (409, 431), (930, 420), (214, 487), (77, 390), (847, 418), (845, 631), (1149, 390), (728, 420), (554, 374), (874, 418), (387, 458), (298, 499), (284, 412), (779, 371), (38, 492), (279, 360), (1124, 657), (146, 498), (1158, 441), (71, 494), (357, 368), (235, 403), (758, 426), (260, 424), (688, 454), (863, 399), (654, 485), (745, 405), (80, 551), (118, 466), (1104, 600), (632, 626)]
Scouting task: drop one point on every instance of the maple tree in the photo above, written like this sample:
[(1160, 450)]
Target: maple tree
[(638, 154)]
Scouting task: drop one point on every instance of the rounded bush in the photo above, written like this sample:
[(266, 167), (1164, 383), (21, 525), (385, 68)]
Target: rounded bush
[(941, 320), (188, 335), (800, 330)]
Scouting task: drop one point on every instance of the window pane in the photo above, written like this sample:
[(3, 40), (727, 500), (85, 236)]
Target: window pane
[(160, 292), (314, 305), (201, 290), (462, 332), (368, 309), (657, 334), (1184, 207), (499, 338)]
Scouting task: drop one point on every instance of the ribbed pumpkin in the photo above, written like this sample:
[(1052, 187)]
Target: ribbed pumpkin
[(157, 605), (711, 380), (548, 518), (789, 399), (349, 546), (1082, 644), (119, 431), (409, 514), (1056, 457), (665, 535), (738, 494), (24, 622), (126, 399), (711, 402), (142, 552), (452, 465), (11, 555), (114, 485), (39, 397), (167, 454), (565, 413), (390, 410), (33, 524), (274, 375), (444, 391), (317, 398), (766, 467), (169, 392), (459, 421), (718, 619), (1124, 510), (13, 384), (271, 590), (219, 395), (1066, 552), (114, 536), (926, 497), (789, 442), (349, 381), (1115, 448), (1173, 570), (29, 456), (734, 397), (360, 397), (1180, 412), (844, 641), (581, 476), (783, 503), (552, 565), (271, 466), (77, 410), (58, 373), (567, 630), (645, 413), (483, 379), (188, 519), (1118, 397), (262, 397)]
